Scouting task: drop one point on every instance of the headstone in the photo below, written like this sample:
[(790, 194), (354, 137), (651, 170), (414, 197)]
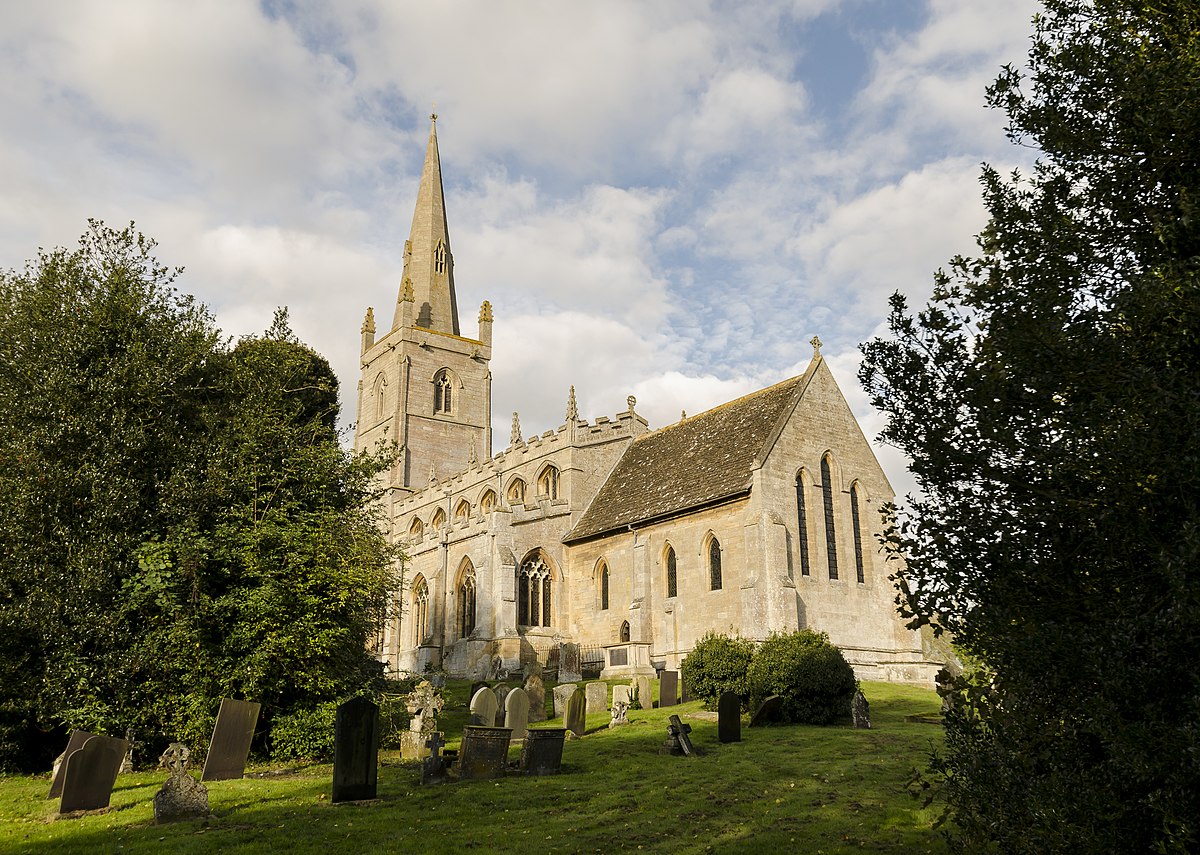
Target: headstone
[(645, 696), (576, 717), (355, 751), (89, 773), (860, 710), (562, 693), (483, 708), (622, 693), (729, 718), (230, 743), (127, 760), (182, 797), (476, 686), (569, 668), (619, 709), (423, 704), (597, 696), (668, 689), (501, 691), (74, 743), (768, 711), (484, 752), (516, 713), (535, 688), (685, 696), (678, 741), (433, 767), (542, 752)]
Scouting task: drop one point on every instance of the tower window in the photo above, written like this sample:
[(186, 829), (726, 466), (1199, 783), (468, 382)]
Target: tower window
[(443, 392), (548, 483)]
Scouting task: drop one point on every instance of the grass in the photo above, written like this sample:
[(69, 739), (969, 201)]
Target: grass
[(802, 789)]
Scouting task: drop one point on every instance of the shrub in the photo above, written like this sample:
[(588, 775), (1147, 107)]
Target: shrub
[(718, 664), (305, 734), (812, 676)]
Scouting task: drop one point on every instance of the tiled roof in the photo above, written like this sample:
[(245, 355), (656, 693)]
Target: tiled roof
[(690, 464)]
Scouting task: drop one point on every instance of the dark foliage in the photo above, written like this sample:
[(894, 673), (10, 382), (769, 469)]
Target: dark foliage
[(810, 674)]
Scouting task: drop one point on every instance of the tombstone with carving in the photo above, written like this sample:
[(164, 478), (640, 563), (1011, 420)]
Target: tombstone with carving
[(619, 708), (423, 704), (182, 796)]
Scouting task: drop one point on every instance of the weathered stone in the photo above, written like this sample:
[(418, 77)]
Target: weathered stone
[(685, 696), (74, 743), (729, 721), (622, 693), (355, 751), (597, 696), (644, 692), (535, 688), (576, 717), (668, 688), (516, 713), (542, 752), (769, 711), (90, 772), (678, 740), (483, 708), (181, 797), (231, 738), (619, 709), (501, 691), (562, 693), (423, 704), (860, 710), (569, 667), (433, 766), (484, 752)]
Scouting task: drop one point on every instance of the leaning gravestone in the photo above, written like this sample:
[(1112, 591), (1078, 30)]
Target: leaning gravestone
[(355, 751), (501, 691), (678, 741), (542, 752), (729, 718), (668, 689), (484, 752), (645, 696), (90, 772), (483, 708), (860, 710), (576, 717), (622, 694), (768, 712), (562, 694), (182, 797), (476, 686), (74, 743), (597, 696), (423, 704), (230, 743), (535, 688), (516, 713), (569, 669)]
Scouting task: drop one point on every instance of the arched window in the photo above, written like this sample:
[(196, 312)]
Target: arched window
[(420, 612), (548, 483), (462, 511), (487, 502), (443, 392), (625, 631), (672, 584), (416, 528), (855, 497), (516, 492), (802, 523), (439, 257), (439, 520), (533, 592), (827, 499), (603, 586), (466, 600), (714, 564), (379, 395)]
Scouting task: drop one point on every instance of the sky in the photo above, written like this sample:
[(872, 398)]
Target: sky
[(663, 199)]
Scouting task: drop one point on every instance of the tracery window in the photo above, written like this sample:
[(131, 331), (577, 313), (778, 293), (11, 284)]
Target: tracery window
[(672, 585), (420, 612), (466, 601), (533, 592), (439, 520), (603, 586), (443, 394), (714, 564), (830, 532), (416, 529), (548, 483), (855, 496), (802, 524), (439, 257), (487, 502), (516, 492), (462, 511)]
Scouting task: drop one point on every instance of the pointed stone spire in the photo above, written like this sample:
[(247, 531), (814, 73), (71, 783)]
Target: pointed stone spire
[(428, 262), (572, 408), (515, 438)]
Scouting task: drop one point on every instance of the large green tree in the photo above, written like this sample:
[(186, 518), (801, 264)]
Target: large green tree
[(1049, 398)]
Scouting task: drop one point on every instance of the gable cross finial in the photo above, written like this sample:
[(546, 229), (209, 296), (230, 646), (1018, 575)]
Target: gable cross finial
[(631, 402), (815, 341), (572, 408)]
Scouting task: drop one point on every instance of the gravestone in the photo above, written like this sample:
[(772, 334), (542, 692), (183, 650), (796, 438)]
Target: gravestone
[(569, 668), (74, 743), (230, 743), (483, 708), (729, 718), (684, 696), (622, 693), (542, 752), (501, 691), (355, 751), (127, 760), (433, 767), (562, 693), (476, 686), (423, 704), (484, 752), (576, 717), (619, 709), (535, 688), (668, 689), (89, 773), (645, 694), (597, 697), (860, 710), (516, 713), (182, 797), (769, 711), (678, 741)]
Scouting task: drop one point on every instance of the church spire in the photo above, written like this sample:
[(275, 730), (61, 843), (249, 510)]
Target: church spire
[(428, 262)]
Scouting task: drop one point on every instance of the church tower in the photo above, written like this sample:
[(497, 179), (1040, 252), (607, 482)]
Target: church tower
[(424, 386)]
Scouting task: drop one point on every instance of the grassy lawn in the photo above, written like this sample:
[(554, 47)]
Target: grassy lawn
[(798, 789)]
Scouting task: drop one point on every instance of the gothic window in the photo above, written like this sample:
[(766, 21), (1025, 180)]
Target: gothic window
[(439, 257), (466, 600), (487, 502), (439, 520), (714, 564), (533, 592), (516, 492), (443, 392), (827, 499), (379, 396), (855, 498), (548, 483), (416, 529), (625, 631), (420, 612), (462, 511), (603, 586), (672, 585), (802, 524)]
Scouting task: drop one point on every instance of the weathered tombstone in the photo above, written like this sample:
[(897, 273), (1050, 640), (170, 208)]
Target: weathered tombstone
[(355, 751), (860, 710), (230, 743), (127, 760), (476, 686), (576, 717), (89, 773), (678, 741), (516, 713), (423, 704), (483, 708), (74, 743), (619, 709), (438, 681), (597, 696), (768, 711), (182, 797), (433, 767), (501, 691), (484, 752), (684, 696), (562, 694), (622, 693), (535, 688), (668, 689), (729, 718), (645, 696), (569, 668), (542, 752)]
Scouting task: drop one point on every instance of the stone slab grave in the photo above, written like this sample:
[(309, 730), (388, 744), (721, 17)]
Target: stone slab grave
[(645, 693), (74, 743), (597, 697), (769, 711), (484, 752), (355, 751), (181, 797), (562, 694), (668, 689), (89, 773), (678, 741), (860, 710), (433, 767), (501, 691), (569, 666), (535, 688), (623, 694), (729, 718), (230, 743), (576, 715), (542, 752), (516, 713), (423, 704), (685, 697), (483, 708)]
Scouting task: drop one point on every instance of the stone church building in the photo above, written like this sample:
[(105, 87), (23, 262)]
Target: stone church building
[(757, 516)]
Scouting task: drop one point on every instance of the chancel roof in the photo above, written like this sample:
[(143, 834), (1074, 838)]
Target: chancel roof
[(696, 462)]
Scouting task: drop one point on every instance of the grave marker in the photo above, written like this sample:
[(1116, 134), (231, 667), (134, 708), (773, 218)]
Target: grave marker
[(597, 697), (768, 712), (678, 741), (562, 693), (484, 752), (729, 718), (355, 751), (619, 708), (622, 694), (230, 743), (645, 693), (433, 767), (89, 773), (542, 752), (569, 669), (668, 689), (181, 797), (74, 743), (483, 708), (535, 688), (860, 710), (576, 716), (501, 691), (516, 713), (423, 704)]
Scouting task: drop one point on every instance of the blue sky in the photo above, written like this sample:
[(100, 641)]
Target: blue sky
[(662, 199)]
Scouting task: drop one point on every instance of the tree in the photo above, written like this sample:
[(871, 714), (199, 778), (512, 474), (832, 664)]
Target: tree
[(1048, 399)]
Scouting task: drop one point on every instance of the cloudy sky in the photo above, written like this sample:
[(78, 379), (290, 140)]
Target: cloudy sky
[(666, 199)]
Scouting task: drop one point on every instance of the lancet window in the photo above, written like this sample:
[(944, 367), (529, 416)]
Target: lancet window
[(672, 578), (802, 525), (855, 498), (714, 564), (466, 601), (830, 531)]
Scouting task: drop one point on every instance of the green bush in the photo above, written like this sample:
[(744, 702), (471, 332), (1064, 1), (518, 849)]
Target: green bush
[(304, 734), (717, 664), (812, 676)]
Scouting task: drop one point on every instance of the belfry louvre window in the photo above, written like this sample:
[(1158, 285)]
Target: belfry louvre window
[(672, 578), (855, 497), (533, 593), (548, 483), (714, 565), (443, 399), (802, 526), (830, 533)]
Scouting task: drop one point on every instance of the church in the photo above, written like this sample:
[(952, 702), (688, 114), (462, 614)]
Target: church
[(758, 516)]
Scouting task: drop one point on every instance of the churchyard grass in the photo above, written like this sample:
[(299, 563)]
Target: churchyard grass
[(802, 789)]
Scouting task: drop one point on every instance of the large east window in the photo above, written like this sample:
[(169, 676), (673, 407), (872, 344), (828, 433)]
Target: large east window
[(533, 593)]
